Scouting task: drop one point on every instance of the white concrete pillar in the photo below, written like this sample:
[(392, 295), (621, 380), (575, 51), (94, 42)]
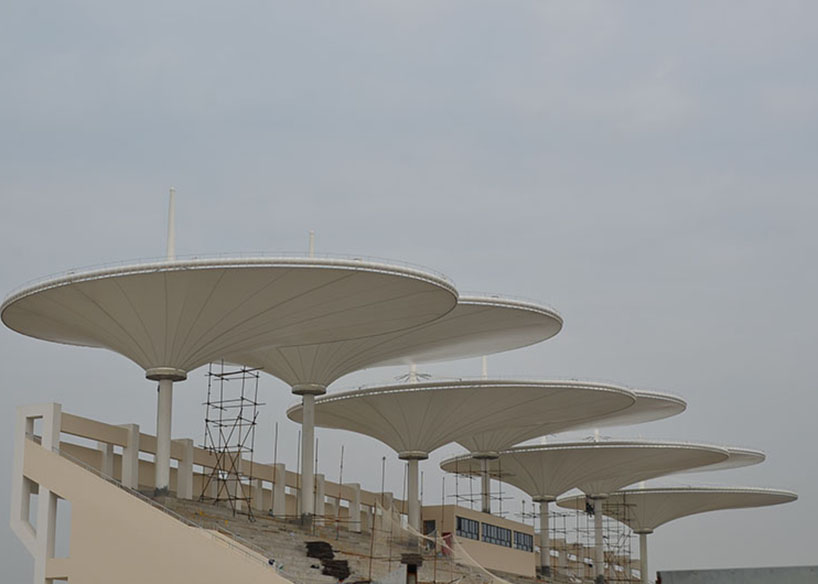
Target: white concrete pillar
[(413, 502), (164, 414), (106, 459), (355, 508), (385, 521), (643, 557), (279, 503), (485, 489), (308, 456), (46, 533), (130, 457), (599, 550), (332, 514), (184, 472), (257, 495), (42, 541), (320, 497), (545, 544)]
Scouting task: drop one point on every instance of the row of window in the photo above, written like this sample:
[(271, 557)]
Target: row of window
[(523, 541), (470, 529), (496, 535)]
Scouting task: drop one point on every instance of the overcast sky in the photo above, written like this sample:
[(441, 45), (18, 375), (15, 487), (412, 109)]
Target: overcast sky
[(649, 169)]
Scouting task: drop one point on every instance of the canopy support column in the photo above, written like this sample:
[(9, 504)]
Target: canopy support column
[(545, 538), (599, 550), (643, 557), (164, 414), (412, 489), (486, 485), (308, 391), (485, 477)]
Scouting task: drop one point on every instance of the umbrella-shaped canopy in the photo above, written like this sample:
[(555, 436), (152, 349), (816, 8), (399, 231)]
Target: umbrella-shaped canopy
[(650, 406), (478, 325), (421, 417), (737, 458), (546, 471), (643, 510), (178, 315)]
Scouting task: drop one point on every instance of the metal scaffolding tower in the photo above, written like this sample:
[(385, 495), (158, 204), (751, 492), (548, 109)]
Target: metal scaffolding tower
[(231, 411)]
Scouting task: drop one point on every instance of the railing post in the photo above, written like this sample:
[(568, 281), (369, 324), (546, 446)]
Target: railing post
[(130, 458), (355, 508), (106, 466), (184, 472), (279, 492), (319, 505)]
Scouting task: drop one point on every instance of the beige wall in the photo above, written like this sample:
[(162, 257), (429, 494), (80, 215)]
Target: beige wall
[(116, 537), (489, 555)]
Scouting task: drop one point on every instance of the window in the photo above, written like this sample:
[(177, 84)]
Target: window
[(496, 535), (468, 528), (523, 541)]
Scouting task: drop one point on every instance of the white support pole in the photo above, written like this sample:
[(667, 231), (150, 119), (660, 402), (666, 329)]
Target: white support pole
[(545, 543), (307, 456), (107, 458), (279, 503), (485, 485), (599, 551), (130, 458), (355, 508), (164, 413), (643, 557), (485, 372), (312, 244), (413, 503), (184, 473), (320, 498), (171, 220)]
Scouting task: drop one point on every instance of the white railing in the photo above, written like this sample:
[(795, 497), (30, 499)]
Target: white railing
[(272, 256)]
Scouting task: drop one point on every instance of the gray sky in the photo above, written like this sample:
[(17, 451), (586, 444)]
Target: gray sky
[(646, 168)]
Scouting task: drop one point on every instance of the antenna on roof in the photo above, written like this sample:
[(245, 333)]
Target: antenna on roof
[(171, 233), (312, 243)]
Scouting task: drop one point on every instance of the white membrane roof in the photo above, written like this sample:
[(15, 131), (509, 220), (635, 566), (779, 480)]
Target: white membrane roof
[(184, 313), (643, 510), (424, 416), (596, 468), (650, 406), (478, 325), (738, 457)]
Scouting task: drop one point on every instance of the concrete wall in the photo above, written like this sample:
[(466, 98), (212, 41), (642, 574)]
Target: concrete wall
[(116, 537), (489, 555), (783, 575)]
